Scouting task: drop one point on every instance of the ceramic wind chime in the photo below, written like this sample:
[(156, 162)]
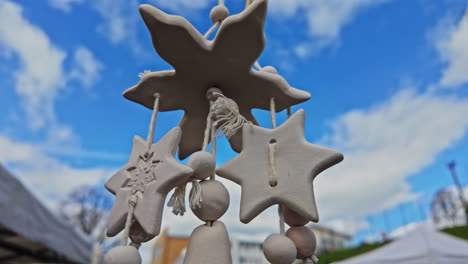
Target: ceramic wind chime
[(214, 82)]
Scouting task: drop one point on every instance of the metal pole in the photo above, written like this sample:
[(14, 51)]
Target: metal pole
[(451, 166)]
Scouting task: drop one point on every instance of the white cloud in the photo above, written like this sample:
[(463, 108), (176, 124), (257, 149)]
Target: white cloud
[(177, 5), (452, 44), (385, 145), (41, 75), (119, 18), (87, 68), (325, 18), (64, 5), (44, 174)]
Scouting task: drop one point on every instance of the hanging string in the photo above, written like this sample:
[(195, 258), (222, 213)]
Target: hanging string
[(132, 202), (211, 30), (257, 65), (152, 127), (288, 112), (209, 121), (273, 174), (213, 147)]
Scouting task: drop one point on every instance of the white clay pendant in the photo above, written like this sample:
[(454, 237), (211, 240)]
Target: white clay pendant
[(209, 245)]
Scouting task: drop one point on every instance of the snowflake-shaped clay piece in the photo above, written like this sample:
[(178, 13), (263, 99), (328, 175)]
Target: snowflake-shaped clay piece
[(149, 174), (286, 154), (225, 63)]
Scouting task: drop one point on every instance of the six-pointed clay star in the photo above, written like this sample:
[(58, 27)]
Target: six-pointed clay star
[(225, 63), (149, 174), (278, 166)]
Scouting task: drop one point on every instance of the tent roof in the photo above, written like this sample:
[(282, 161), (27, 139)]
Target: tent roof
[(421, 246), (27, 227)]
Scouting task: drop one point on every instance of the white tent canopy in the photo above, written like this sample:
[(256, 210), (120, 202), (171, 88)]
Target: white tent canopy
[(425, 245)]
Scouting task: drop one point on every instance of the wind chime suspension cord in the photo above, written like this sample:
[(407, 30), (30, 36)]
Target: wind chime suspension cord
[(213, 147), (257, 65), (152, 127), (273, 172), (132, 202), (209, 121), (212, 29)]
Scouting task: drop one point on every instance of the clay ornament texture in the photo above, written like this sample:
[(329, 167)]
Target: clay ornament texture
[(150, 174), (225, 63), (278, 166)]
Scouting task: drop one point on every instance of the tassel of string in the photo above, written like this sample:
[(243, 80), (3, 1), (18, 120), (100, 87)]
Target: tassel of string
[(177, 200), (228, 119), (132, 202)]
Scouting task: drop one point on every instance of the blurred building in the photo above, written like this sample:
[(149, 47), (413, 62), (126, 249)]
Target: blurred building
[(329, 239), (247, 252), (31, 233), (169, 249)]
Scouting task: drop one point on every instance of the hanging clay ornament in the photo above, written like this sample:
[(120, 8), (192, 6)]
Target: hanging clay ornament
[(209, 245), (294, 219), (150, 174), (200, 64), (304, 240), (278, 166), (279, 249), (214, 202), (203, 164), (138, 235), (123, 255)]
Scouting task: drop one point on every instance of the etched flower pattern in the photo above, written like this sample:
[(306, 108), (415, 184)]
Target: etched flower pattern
[(142, 174)]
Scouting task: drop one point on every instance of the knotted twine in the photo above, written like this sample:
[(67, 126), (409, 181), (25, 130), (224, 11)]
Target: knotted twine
[(133, 200), (223, 119)]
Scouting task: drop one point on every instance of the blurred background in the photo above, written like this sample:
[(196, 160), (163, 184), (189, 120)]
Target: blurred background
[(389, 86)]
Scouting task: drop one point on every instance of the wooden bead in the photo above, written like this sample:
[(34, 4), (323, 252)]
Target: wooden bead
[(215, 201), (294, 219), (123, 255), (279, 249), (219, 13), (203, 164), (304, 240), (138, 235), (269, 69)]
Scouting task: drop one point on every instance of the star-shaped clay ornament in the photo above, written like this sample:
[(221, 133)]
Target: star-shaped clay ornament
[(149, 174), (278, 166), (225, 63)]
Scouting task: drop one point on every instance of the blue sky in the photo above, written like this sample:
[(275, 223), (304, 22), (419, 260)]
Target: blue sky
[(388, 81)]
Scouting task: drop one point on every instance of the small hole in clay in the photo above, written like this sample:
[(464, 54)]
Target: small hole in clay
[(274, 184), (272, 141)]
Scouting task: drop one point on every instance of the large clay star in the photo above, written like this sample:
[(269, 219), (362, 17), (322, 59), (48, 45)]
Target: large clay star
[(225, 63), (281, 154), (149, 174)]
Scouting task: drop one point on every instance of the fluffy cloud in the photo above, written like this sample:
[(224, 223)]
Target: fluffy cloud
[(44, 174), (176, 5), (87, 68), (41, 75), (385, 145), (452, 44), (325, 18), (64, 5)]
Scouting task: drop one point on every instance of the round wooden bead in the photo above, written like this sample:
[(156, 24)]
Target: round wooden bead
[(215, 201), (304, 240), (123, 255), (219, 13), (269, 69), (294, 219), (203, 164), (138, 235), (279, 249)]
